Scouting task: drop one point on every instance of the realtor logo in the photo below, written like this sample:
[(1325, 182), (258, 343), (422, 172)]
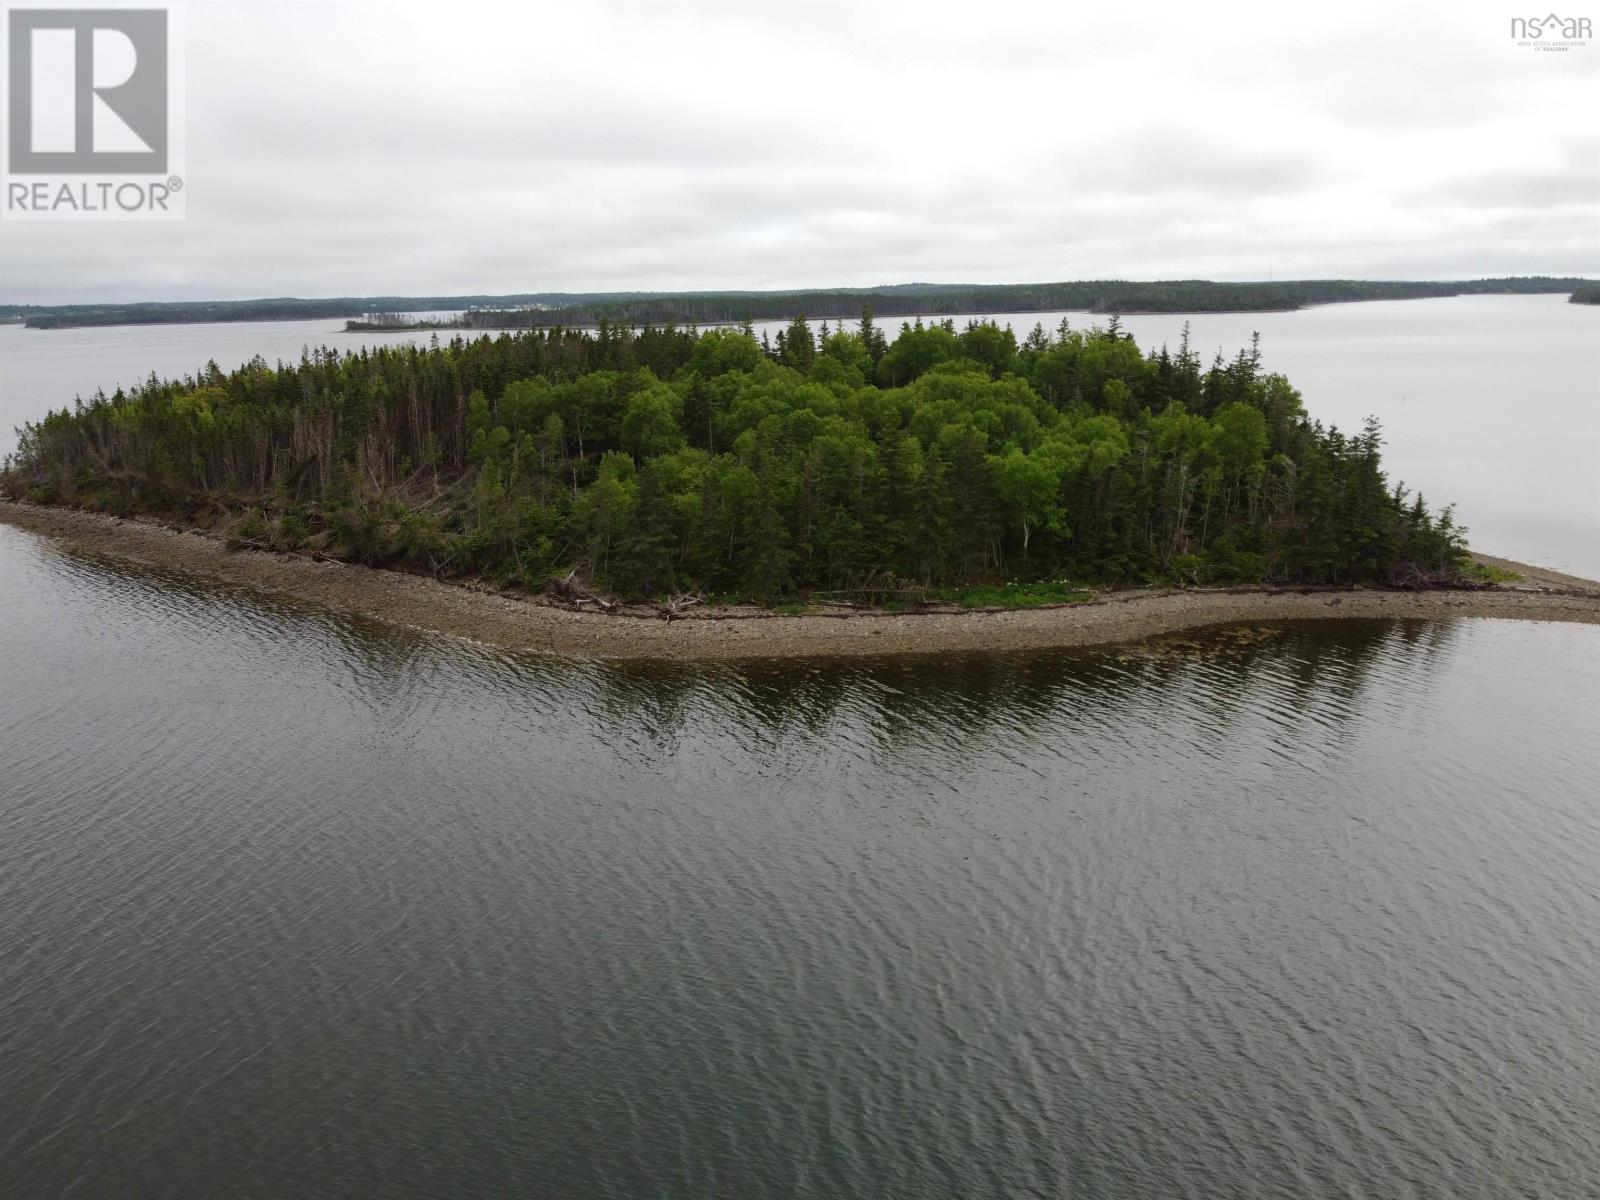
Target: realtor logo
[(93, 112), (88, 90)]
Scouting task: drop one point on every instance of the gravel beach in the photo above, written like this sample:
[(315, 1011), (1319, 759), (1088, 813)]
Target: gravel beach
[(530, 623)]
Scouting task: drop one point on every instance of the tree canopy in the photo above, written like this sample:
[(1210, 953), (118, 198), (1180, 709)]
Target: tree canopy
[(665, 458)]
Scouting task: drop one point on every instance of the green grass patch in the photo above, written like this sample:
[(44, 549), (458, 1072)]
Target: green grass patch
[(1484, 573), (1016, 595)]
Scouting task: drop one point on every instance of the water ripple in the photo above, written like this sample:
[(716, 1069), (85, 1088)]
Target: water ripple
[(295, 904)]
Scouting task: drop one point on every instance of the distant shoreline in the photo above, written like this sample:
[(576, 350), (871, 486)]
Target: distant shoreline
[(1101, 297), (517, 622), (356, 326)]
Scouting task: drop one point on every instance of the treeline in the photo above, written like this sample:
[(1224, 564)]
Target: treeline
[(1097, 296), (828, 461), (544, 309), (1585, 295), (285, 308)]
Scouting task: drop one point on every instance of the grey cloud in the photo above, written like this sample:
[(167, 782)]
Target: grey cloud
[(724, 144), (1520, 189), (1174, 161)]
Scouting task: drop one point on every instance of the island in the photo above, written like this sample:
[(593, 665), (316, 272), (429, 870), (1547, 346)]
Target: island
[(713, 479), (545, 309)]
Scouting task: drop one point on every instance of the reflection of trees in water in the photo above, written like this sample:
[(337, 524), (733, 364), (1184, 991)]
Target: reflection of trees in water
[(1301, 683), (1319, 671), (179, 595), (160, 590), (261, 645)]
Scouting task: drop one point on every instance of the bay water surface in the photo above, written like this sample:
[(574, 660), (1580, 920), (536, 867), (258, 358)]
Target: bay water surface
[(296, 904)]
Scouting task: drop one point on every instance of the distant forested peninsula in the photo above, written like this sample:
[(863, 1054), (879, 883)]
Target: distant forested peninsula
[(1585, 295), (282, 308), (546, 309), (656, 461)]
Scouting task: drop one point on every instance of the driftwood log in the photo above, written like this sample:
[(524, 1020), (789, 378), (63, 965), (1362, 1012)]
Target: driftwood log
[(675, 607), (570, 589)]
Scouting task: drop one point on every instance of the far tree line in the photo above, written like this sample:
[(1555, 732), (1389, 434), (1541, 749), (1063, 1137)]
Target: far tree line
[(545, 309)]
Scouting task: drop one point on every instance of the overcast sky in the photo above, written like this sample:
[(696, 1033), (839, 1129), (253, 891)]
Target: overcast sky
[(438, 148)]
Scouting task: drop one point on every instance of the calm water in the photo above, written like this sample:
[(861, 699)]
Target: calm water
[(1490, 401), (295, 905), (298, 905)]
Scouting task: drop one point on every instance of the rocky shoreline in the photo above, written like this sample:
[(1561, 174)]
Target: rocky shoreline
[(530, 623)]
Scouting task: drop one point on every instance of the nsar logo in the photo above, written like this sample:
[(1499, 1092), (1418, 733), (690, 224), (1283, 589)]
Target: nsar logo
[(1551, 32)]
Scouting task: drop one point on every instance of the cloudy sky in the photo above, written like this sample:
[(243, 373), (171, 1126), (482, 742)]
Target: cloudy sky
[(437, 148)]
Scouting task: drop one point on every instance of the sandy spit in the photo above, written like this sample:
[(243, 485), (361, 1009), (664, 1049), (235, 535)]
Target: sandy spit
[(522, 623)]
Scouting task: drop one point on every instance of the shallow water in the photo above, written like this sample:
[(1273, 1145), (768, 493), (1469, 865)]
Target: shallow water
[(1491, 402), (296, 904)]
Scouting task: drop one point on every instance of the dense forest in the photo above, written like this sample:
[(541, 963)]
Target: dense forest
[(1585, 295), (665, 459), (536, 309), (1103, 297)]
